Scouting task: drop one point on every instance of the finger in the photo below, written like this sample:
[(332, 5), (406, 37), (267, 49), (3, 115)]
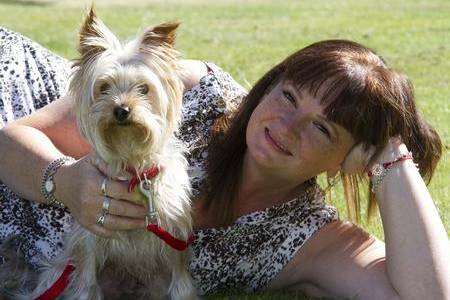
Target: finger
[(113, 222), (357, 159), (119, 190), (126, 209), (350, 160), (368, 157)]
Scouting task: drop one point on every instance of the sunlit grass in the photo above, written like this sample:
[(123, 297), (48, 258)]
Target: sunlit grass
[(246, 38)]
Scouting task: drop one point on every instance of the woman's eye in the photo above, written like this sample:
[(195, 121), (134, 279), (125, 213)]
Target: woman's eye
[(322, 128), (143, 89), (104, 88), (289, 97)]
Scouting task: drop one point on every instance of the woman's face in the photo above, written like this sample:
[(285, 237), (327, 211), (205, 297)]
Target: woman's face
[(289, 133)]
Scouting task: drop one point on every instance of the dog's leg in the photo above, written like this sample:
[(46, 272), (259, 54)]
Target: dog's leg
[(87, 258), (50, 272), (182, 286), (83, 282), (81, 253)]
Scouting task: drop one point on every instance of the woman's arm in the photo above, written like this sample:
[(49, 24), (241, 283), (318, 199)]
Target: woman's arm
[(417, 249), (29, 144), (344, 261)]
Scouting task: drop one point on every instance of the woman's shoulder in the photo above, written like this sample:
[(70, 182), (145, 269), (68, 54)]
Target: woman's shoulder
[(207, 84), (191, 71)]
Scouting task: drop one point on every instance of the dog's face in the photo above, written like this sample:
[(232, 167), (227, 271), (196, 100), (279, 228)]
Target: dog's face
[(128, 96)]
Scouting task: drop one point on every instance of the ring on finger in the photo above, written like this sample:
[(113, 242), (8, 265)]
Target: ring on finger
[(101, 219), (105, 205), (103, 187)]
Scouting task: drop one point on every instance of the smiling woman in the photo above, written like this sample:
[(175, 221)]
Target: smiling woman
[(260, 217), (324, 98), (332, 106)]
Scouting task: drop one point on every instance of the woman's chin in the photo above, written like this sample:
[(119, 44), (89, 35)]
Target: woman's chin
[(268, 158)]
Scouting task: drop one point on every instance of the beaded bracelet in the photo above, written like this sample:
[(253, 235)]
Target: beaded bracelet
[(48, 184), (379, 171)]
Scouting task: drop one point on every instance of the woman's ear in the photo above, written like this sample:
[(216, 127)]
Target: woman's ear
[(357, 159)]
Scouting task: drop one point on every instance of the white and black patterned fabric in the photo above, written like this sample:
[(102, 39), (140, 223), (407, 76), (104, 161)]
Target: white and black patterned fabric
[(241, 257)]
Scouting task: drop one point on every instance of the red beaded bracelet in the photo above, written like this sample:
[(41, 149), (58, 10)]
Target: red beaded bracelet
[(379, 171)]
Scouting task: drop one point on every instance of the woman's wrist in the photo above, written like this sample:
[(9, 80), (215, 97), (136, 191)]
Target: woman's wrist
[(51, 183), (393, 149), (395, 154)]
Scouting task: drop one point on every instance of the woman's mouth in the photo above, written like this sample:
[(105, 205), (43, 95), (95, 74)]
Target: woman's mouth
[(278, 146)]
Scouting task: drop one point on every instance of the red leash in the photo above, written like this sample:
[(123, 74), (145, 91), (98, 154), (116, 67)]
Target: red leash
[(61, 283), (59, 286), (169, 239)]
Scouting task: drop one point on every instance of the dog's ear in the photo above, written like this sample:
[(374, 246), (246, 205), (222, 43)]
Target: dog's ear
[(94, 36), (163, 34)]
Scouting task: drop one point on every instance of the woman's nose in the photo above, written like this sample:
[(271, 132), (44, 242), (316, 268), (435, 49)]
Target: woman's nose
[(296, 122)]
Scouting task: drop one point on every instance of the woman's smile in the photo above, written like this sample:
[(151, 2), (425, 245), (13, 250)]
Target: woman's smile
[(276, 144)]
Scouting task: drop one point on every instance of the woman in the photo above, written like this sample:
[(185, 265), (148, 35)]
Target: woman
[(261, 220)]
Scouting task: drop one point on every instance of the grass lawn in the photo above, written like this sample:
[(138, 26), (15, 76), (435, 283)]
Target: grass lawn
[(246, 38)]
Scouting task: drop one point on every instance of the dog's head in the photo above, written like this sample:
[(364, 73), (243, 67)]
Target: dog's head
[(128, 96)]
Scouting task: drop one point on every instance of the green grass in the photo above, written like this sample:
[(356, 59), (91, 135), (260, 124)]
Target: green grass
[(246, 38)]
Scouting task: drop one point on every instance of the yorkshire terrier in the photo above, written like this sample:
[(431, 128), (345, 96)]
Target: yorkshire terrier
[(128, 105)]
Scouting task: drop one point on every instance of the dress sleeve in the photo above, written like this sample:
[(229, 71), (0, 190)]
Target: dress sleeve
[(217, 94), (30, 76)]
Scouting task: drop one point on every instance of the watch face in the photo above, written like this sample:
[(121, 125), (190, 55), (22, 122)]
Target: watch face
[(49, 186), (377, 170)]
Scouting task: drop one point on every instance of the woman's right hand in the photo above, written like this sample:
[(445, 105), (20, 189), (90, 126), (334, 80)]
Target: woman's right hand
[(78, 186)]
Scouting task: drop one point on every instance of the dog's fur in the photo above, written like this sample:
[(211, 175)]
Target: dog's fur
[(109, 74)]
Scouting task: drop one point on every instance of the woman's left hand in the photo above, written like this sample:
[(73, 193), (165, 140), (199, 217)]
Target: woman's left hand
[(360, 158), (357, 160)]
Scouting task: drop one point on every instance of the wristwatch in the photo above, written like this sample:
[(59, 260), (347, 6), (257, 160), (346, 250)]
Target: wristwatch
[(48, 186)]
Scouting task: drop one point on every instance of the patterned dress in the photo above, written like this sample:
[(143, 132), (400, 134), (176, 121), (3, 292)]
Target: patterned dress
[(245, 256)]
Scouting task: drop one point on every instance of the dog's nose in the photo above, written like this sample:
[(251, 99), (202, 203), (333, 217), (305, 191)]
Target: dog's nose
[(121, 113)]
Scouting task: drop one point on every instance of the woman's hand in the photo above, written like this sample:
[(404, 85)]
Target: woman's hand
[(360, 159), (357, 160), (78, 186)]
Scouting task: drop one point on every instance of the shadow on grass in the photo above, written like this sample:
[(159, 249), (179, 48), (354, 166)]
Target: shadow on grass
[(27, 2)]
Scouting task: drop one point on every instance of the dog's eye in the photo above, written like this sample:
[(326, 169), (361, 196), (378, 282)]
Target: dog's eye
[(142, 89), (104, 88)]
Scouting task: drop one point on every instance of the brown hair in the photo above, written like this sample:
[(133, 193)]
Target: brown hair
[(370, 100)]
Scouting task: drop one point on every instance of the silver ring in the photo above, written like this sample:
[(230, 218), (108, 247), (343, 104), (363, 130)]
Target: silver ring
[(105, 205), (103, 187), (101, 219)]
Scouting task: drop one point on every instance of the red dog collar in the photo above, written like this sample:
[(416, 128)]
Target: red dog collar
[(169, 239)]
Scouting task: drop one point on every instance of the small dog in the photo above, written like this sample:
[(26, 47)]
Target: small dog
[(128, 101)]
